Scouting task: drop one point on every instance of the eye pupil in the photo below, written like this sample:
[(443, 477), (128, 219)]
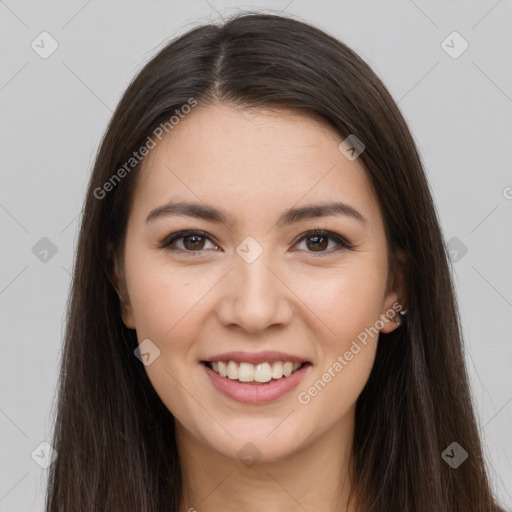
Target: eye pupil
[(320, 246), (194, 245)]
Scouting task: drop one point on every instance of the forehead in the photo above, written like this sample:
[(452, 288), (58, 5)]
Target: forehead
[(252, 161)]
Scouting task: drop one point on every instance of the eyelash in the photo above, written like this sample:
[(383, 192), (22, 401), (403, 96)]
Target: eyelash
[(342, 242)]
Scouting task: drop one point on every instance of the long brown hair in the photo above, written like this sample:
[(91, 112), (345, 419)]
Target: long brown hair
[(114, 437)]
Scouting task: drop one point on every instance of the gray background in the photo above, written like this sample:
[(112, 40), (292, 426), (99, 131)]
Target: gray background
[(54, 112)]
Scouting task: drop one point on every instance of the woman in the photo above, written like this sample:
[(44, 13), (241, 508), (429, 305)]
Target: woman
[(262, 315)]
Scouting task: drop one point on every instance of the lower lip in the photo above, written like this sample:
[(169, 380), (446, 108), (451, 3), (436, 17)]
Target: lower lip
[(256, 394)]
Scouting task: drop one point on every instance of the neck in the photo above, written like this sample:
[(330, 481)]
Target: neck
[(315, 477)]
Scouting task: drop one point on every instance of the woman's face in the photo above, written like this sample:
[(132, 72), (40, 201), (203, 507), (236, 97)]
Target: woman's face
[(259, 283)]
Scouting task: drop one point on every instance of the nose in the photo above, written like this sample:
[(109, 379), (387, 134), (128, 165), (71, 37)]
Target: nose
[(255, 297)]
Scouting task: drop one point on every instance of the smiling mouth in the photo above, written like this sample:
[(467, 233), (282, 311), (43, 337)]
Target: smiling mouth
[(257, 374)]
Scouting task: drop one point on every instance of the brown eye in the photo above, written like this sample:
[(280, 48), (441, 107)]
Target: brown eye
[(187, 241), (319, 243), (193, 242)]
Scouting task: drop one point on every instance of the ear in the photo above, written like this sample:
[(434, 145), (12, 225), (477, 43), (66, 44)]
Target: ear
[(396, 294), (119, 282)]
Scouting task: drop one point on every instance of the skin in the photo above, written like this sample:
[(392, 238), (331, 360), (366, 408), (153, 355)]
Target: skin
[(192, 305)]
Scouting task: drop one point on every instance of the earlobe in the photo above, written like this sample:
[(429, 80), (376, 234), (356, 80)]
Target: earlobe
[(396, 297), (119, 283), (391, 314)]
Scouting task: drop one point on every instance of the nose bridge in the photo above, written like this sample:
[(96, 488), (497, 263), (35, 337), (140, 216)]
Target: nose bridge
[(256, 280), (257, 298)]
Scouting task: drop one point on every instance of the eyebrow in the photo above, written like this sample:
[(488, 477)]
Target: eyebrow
[(290, 216)]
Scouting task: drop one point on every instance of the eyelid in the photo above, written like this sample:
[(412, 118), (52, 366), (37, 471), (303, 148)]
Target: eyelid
[(177, 235), (343, 243)]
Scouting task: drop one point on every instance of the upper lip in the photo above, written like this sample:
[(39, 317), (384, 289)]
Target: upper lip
[(256, 357)]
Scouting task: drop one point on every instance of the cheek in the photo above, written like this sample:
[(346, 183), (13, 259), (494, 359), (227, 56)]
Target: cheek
[(167, 306), (345, 360), (333, 392), (166, 301), (349, 305), (344, 301)]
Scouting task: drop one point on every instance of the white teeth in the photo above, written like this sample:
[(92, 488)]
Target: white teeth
[(247, 372), (277, 370), (232, 370), (262, 372), (223, 369)]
